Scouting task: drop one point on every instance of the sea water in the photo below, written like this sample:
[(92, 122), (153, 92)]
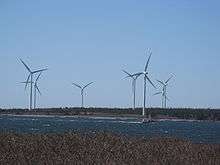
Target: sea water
[(195, 131)]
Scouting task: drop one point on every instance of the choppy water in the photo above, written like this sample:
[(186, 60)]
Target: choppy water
[(197, 131)]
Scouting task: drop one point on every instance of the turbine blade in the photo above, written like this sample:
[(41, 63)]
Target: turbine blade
[(77, 85), (25, 65), (27, 81), (129, 75), (137, 74), (157, 93), (38, 89), (41, 70), (87, 85), (146, 66), (160, 82), (150, 82), (132, 76), (126, 77), (169, 79), (167, 98), (38, 77), (24, 82)]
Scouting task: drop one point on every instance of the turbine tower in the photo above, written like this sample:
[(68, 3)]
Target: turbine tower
[(82, 91), (31, 74), (134, 79), (164, 92), (146, 78)]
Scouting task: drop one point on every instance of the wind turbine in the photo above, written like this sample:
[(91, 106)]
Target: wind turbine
[(164, 92), (82, 91), (134, 79), (146, 78), (36, 88), (31, 74)]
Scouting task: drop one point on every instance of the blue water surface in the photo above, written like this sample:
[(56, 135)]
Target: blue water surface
[(195, 131)]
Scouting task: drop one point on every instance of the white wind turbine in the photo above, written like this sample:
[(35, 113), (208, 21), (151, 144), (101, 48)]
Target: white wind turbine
[(31, 74), (164, 92), (134, 79), (146, 78), (82, 91), (36, 88)]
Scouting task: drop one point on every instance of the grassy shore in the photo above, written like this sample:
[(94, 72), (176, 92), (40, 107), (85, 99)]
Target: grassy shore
[(156, 113), (102, 148)]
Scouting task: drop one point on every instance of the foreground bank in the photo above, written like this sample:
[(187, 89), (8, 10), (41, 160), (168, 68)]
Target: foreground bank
[(102, 148), (156, 113)]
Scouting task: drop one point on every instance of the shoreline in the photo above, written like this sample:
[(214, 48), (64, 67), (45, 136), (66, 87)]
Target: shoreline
[(107, 117), (158, 114)]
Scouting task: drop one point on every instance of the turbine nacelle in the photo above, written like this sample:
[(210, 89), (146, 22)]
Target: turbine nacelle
[(145, 73)]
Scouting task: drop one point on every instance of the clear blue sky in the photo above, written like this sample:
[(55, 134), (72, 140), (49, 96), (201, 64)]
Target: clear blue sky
[(83, 41)]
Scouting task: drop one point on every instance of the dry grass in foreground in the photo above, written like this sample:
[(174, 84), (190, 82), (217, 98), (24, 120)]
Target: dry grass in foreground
[(102, 148)]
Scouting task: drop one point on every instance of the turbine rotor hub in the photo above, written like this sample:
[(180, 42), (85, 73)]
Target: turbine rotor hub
[(145, 73)]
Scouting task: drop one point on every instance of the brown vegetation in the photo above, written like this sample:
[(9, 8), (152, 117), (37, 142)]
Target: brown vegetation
[(102, 148)]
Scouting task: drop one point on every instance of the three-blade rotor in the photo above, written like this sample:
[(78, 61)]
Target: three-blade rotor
[(35, 83), (166, 82), (30, 81), (82, 87), (145, 73), (164, 91)]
